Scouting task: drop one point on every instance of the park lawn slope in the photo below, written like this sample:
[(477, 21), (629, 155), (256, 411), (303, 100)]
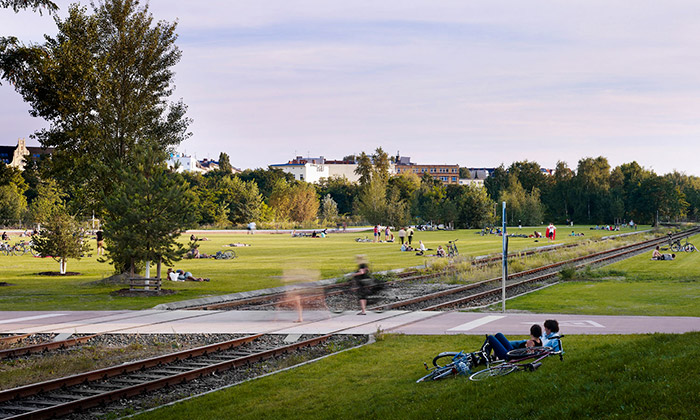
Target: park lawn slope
[(607, 376), (636, 286), (258, 266)]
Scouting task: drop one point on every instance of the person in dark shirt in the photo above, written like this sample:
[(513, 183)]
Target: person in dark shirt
[(100, 236), (362, 282)]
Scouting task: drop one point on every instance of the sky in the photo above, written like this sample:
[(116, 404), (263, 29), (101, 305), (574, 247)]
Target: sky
[(474, 83)]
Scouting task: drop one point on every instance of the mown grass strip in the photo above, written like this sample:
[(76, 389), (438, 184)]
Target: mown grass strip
[(636, 286), (639, 376)]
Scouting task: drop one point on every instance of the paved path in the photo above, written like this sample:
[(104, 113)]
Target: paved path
[(321, 322)]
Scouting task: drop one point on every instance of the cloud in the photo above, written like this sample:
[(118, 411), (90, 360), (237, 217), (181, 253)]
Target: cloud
[(474, 83)]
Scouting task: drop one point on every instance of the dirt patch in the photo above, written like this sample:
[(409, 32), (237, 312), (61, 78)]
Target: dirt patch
[(56, 273), (133, 293)]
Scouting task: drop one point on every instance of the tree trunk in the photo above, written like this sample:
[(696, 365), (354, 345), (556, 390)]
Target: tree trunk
[(63, 266), (160, 261)]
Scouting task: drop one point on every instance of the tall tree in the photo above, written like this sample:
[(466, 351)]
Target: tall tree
[(559, 197), (592, 183), (304, 202), (329, 209), (529, 174), (364, 168), (102, 84), (475, 208), (13, 203), (47, 203), (372, 202), (381, 163), (266, 179), (225, 163), (242, 199), (343, 192), (496, 182), (404, 185), (147, 212)]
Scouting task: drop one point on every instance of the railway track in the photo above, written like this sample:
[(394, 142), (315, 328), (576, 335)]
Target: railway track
[(80, 392), (63, 396), (411, 292), (41, 347), (273, 300), (490, 290)]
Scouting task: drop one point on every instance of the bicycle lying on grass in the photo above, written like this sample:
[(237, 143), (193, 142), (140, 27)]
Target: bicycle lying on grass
[(224, 255), (448, 364), (527, 359), (460, 363)]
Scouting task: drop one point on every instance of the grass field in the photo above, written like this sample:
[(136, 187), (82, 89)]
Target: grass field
[(627, 377), (636, 286), (259, 266)]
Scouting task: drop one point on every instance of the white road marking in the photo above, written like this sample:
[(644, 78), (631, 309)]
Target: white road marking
[(29, 318), (476, 323), (572, 323)]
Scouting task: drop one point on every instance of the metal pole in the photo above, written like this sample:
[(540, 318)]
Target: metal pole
[(505, 258)]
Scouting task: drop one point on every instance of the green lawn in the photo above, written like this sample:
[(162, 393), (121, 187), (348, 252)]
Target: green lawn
[(629, 377), (636, 286), (259, 266)]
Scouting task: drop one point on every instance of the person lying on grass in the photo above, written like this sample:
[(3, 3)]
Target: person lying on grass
[(179, 275), (500, 345)]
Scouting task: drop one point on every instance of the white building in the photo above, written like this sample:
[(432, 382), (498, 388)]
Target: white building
[(313, 169), (309, 172), (468, 181), (183, 163)]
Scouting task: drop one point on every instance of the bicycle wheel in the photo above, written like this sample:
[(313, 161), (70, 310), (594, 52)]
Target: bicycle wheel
[(501, 370), (19, 249), (676, 247), (690, 248), (446, 357), (529, 352), (436, 374), (34, 251)]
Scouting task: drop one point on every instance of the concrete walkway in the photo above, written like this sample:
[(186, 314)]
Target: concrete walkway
[(323, 322)]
